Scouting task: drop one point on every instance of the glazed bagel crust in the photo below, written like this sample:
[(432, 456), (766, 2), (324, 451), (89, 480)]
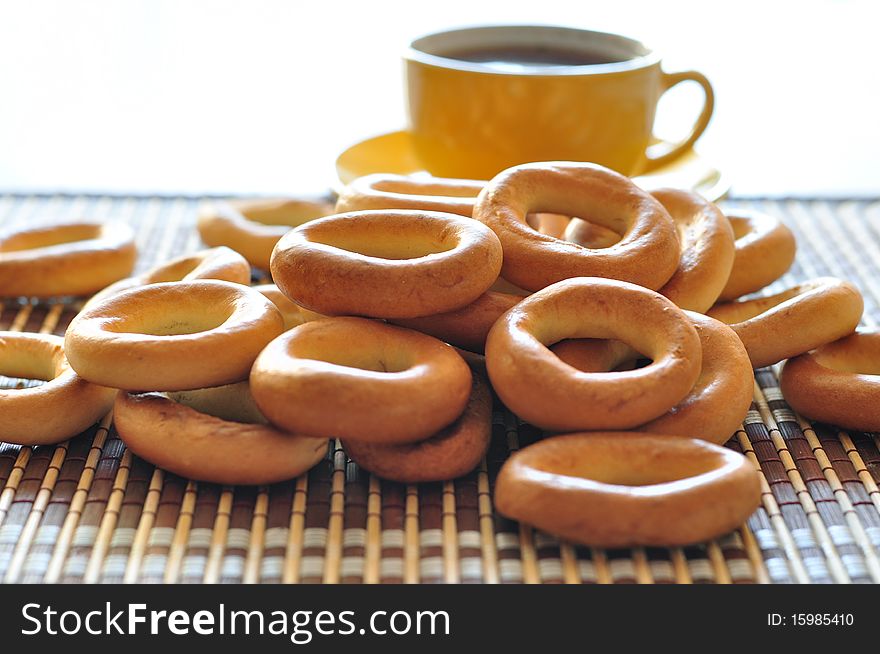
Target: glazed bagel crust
[(360, 379), (64, 406), (837, 383), (647, 254), (387, 264), (452, 452), (253, 227), (217, 263), (707, 249), (384, 191), (624, 489), (793, 321), (200, 446), (764, 251), (65, 259), (172, 336), (467, 327), (716, 405), (546, 392)]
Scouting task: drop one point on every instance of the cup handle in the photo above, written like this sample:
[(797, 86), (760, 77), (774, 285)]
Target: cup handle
[(671, 151)]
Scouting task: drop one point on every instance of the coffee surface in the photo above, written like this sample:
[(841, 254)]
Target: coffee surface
[(531, 57)]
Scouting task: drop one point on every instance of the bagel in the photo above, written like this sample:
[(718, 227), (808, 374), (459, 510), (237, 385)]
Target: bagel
[(718, 402), (467, 327), (217, 263), (452, 452), (65, 259), (387, 264), (172, 336), (625, 489), (837, 383), (64, 406), (253, 227), (647, 253), (793, 321), (548, 393), (385, 191), (360, 379), (213, 434), (707, 249), (293, 314), (764, 251)]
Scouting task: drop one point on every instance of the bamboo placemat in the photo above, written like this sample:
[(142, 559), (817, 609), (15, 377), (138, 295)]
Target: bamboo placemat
[(88, 511)]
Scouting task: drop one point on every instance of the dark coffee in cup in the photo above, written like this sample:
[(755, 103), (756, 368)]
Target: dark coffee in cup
[(532, 57)]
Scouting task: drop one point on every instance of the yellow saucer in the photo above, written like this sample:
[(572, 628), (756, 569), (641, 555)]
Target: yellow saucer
[(393, 153)]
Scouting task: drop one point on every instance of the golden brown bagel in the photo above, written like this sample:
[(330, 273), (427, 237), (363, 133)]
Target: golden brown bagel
[(718, 402), (385, 191), (623, 489), (386, 264), (49, 413), (837, 383), (467, 327), (65, 259), (220, 263), (172, 336), (212, 434), (765, 250), (707, 249), (647, 254), (253, 227), (551, 394), (360, 379), (452, 452), (793, 321)]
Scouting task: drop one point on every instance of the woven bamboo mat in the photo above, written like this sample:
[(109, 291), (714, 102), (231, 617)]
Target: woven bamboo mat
[(89, 511)]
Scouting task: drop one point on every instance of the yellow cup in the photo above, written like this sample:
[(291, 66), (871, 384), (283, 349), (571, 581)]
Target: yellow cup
[(473, 118)]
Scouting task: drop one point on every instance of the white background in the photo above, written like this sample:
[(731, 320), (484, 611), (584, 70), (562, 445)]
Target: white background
[(258, 97)]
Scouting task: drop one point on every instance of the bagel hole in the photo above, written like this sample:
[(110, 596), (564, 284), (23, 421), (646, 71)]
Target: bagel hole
[(288, 214), (232, 402), (394, 248), (626, 466), (859, 361), (171, 323), (19, 371), (20, 383), (49, 237), (590, 234), (366, 361), (599, 355), (432, 190)]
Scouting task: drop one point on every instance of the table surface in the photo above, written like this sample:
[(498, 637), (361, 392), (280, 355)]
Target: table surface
[(258, 97), (88, 510)]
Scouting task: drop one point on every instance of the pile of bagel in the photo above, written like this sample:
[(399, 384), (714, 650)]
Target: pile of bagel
[(610, 317)]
